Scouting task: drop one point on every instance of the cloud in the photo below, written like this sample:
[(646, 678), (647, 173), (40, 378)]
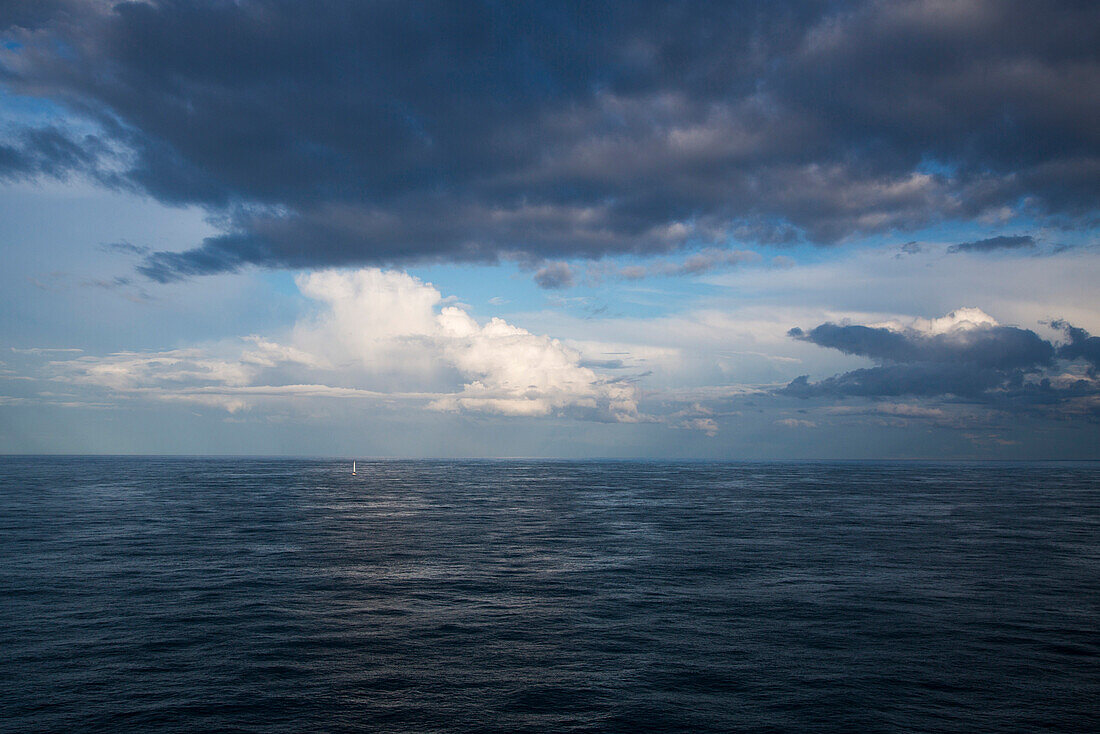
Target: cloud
[(43, 350), (125, 248), (707, 425), (518, 373), (388, 319), (52, 152), (379, 335), (920, 379), (910, 248), (795, 423), (1081, 345), (706, 260), (899, 410), (991, 244), (554, 275), (981, 345), (965, 354), (30, 14), (362, 133)]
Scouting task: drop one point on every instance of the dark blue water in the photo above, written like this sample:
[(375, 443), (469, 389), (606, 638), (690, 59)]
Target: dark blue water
[(183, 595)]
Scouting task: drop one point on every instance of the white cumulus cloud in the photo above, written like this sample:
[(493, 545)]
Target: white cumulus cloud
[(377, 335), (386, 319)]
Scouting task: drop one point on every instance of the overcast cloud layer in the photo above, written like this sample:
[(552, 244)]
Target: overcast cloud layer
[(346, 133)]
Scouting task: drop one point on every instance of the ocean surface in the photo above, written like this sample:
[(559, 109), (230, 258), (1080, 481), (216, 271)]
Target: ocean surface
[(239, 595)]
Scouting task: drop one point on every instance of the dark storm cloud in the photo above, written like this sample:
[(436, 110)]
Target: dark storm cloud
[(338, 133), (1003, 366), (1081, 345), (895, 380), (51, 152), (992, 347), (990, 244), (30, 14)]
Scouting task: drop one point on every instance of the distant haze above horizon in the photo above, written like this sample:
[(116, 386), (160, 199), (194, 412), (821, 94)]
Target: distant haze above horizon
[(737, 230)]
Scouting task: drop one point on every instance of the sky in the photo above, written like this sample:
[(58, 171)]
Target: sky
[(735, 230)]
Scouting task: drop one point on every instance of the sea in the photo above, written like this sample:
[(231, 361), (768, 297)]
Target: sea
[(261, 595)]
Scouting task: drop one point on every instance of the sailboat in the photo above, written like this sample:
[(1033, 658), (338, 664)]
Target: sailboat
[(353, 468)]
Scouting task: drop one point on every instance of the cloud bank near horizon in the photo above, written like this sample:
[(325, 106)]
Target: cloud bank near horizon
[(390, 340), (965, 356), (378, 335)]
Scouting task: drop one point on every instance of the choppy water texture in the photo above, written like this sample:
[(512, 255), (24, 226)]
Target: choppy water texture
[(190, 595)]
